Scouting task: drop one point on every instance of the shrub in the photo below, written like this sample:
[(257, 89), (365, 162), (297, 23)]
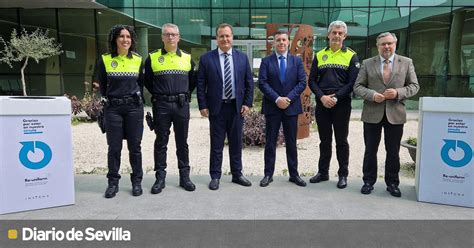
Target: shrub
[(254, 130), (412, 141), (90, 103)]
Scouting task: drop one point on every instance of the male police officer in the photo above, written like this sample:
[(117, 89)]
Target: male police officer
[(332, 76), (169, 78)]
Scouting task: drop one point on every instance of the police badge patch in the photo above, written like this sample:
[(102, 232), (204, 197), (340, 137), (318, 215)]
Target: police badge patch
[(357, 65), (114, 64), (325, 57), (161, 59)]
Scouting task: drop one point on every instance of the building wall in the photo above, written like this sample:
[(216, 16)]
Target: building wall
[(437, 34)]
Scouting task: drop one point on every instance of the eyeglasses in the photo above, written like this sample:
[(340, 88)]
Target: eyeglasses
[(171, 35)]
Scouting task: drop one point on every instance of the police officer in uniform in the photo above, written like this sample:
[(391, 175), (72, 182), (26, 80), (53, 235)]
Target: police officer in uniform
[(120, 74), (333, 73), (169, 78)]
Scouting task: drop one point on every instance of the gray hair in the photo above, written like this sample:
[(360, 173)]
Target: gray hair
[(169, 25), (337, 24), (224, 25), (385, 34)]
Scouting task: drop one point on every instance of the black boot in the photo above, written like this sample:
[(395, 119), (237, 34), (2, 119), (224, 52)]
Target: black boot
[(136, 179), (137, 190), (186, 183), (111, 190), (160, 182)]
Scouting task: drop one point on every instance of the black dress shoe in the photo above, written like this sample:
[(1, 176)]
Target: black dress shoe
[(214, 184), (111, 190), (186, 183), (342, 183), (366, 189), (319, 178), (394, 190), (298, 181), (137, 190), (158, 186), (242, 181), (266, 181)]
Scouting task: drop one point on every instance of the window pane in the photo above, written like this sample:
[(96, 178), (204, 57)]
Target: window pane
[(260, 17), (105, 20), (8, 22), (238, 18), (309, 3), (153, 3), (429, 35), (231, 3)]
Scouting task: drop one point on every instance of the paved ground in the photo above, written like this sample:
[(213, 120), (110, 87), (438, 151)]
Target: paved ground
[(279, 201)]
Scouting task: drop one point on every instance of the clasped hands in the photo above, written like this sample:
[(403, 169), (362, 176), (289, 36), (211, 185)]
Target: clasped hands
[(388, 94)]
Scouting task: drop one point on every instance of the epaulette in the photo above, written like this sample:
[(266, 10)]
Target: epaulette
[(348, 48), (136, 54), (156, 50)]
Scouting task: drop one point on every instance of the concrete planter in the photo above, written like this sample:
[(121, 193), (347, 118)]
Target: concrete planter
[(411, 149)]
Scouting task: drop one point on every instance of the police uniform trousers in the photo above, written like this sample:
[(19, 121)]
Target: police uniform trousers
[(392, 136), (164, 114), (124, 121), (328, 119)]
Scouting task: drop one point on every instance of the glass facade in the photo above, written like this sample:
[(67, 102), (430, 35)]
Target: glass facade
[(437, 34)]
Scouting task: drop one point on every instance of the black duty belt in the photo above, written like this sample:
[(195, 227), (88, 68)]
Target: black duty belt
[(127, 100), (172, 98)]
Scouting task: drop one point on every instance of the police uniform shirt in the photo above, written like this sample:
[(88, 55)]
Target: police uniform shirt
[(120, 75), (169, 73), (334, 72)]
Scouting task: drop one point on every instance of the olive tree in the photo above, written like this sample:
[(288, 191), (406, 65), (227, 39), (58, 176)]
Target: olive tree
[(24, 46)]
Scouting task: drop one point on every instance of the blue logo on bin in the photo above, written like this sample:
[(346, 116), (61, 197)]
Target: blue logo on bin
[(31, 146), (454, 144)]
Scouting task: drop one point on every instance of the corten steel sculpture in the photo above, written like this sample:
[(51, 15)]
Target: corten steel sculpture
[(301, 46)]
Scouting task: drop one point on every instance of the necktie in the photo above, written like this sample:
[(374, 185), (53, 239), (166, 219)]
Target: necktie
[(282, 68), (386, 71), (227, 77)]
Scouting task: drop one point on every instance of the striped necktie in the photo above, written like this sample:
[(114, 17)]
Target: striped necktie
[(227, 77)]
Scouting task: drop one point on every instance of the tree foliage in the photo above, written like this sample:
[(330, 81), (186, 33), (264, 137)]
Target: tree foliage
[(23, 46)]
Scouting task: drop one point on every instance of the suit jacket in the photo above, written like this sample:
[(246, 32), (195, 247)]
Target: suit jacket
[(272, 87), (210, 82), (370, 80)]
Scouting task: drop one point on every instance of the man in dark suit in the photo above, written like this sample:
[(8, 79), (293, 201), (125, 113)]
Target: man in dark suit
[(282, 79), (225, 95), (384, 82)]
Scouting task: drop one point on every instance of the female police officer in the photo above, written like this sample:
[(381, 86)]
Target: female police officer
[(120, 74)]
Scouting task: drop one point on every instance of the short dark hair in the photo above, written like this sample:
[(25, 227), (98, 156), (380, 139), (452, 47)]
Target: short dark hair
[(223, 25), (280, 32), (115, 33)]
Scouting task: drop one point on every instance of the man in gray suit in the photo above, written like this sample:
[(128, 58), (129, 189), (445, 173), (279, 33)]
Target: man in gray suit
[(384, 82)]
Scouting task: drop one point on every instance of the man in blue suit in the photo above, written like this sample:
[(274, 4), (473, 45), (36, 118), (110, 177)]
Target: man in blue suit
[(282, 79), (225, 95)]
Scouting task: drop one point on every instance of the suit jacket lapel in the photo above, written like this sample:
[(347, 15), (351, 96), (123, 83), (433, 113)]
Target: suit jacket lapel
[(377, 68), (235, 60), (395, 67), (289, 64), (217, 63), (276, 68)]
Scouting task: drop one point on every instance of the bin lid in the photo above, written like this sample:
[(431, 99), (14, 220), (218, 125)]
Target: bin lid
[(34, 105), (447, 104)]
